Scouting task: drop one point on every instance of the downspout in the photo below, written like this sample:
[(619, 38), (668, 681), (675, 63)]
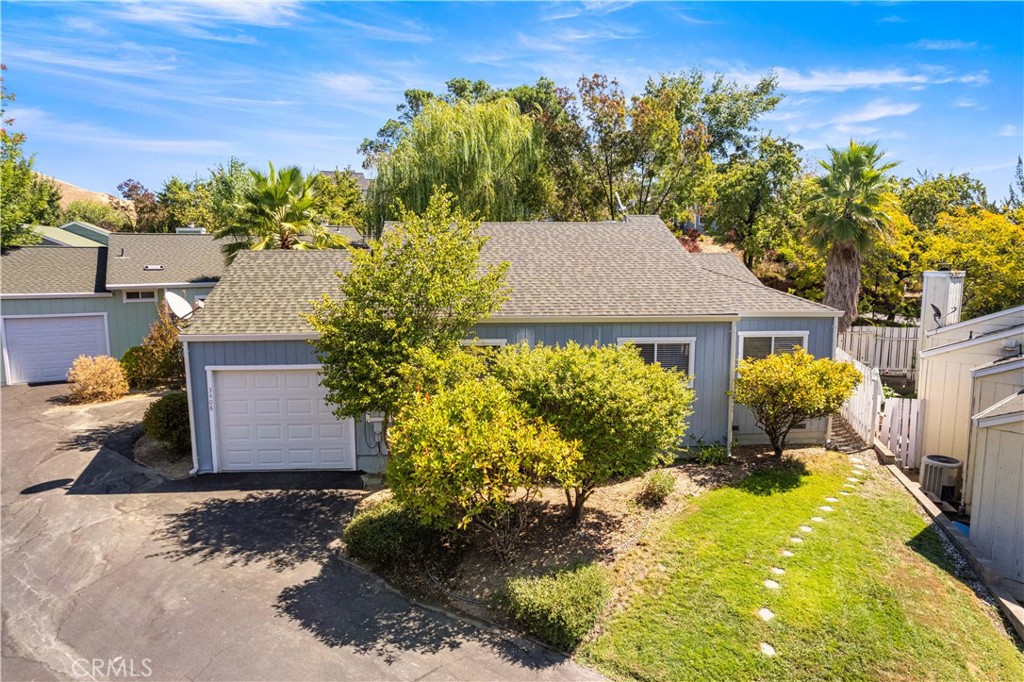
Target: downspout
[(191, 410), (732, 385), (832, 355)]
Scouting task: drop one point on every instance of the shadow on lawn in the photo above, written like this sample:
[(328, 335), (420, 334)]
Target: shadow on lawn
[(774, 476)]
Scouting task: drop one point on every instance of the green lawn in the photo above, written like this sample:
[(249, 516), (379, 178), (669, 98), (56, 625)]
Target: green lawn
[(869, 594)]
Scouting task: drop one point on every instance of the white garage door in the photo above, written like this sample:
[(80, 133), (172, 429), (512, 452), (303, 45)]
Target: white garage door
[(42, 348), (275, 419)]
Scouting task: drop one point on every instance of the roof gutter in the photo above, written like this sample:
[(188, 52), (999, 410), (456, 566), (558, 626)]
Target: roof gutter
[(307, 336), (967, 343), (104, 294), (158, 285)]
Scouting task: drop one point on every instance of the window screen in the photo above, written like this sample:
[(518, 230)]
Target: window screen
[(787, 344), (757, 347), (140, 295), (674, 356), (646, 352)]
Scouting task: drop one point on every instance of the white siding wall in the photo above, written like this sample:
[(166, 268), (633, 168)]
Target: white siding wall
[(987, 391)]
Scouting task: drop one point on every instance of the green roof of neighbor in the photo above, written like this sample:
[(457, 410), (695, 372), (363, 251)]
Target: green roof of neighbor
[(64, 237)]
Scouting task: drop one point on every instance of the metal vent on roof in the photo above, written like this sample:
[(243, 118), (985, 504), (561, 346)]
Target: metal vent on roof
[(152, 267)]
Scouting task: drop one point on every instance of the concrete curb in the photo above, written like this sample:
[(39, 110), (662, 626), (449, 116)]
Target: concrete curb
[(1011, 609)]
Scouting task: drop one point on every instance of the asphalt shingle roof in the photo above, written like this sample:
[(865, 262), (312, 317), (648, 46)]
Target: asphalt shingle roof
[(1010, 405), (265, 292), (53, 270), (565, 270), (184, 257)]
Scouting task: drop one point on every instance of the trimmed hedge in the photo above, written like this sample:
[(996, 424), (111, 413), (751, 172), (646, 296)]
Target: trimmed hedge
[(166, 420), (388, 535), (559, 608)]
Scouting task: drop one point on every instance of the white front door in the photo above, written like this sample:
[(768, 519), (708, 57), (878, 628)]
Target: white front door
[(276, 419), (40, 349)]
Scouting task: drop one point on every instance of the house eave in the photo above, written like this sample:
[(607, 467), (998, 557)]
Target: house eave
[(83, 294), (208, 338), (974, 320), (987, 370), (967, 343), (609, 319), (161, 285)]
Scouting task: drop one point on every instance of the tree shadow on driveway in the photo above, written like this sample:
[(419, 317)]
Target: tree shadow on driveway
[(283, 528)]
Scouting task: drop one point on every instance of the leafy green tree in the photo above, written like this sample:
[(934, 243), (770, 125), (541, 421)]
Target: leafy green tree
[(757, 198), (141, 207), (227, 185), (275, 214), (927, 196), (990, 248), (626, 415), (468, 456), (99, 213), (27, 198), (339, 199), (786, 389), (421, 285), (486, 153), (1015, 199), (851, 208), (186, 203)]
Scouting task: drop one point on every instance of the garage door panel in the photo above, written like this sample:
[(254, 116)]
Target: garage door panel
[(277, 419), (43, 348)]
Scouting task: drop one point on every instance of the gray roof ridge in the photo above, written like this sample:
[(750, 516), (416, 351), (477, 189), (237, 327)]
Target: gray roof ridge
[(762, 286)]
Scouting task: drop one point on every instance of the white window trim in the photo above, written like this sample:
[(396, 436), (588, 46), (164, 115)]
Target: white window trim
[(125, 299), (690, 340), (483, 343), (199, 297), (804, 335)]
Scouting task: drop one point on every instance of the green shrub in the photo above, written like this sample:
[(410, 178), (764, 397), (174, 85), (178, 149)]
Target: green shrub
[(559, 608), (167, 420), (626, 415), (136, 368), (467, 455), (658, 486), (96, 379), (783, 390), (711, 455), (159, 361), (388, 535)]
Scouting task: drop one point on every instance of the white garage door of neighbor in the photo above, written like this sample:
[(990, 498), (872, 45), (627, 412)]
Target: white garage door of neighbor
[(42, 348), (276, 419)]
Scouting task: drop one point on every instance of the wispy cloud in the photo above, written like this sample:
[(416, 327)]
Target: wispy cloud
[(408, 32), (607, 6), (840, 80), (206, 13), (131, 60), (966, 103), (1009, 130), (924, 44), (359, 88), (877, 109), (892, 19)]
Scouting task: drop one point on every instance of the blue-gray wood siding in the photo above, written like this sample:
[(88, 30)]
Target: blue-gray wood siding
[(127, 323), (211, 354), (820, 344)]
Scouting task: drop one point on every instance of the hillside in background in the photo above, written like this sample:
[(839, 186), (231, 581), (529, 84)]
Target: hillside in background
[(70, 193)]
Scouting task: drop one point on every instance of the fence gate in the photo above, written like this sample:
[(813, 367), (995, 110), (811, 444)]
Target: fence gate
[(862, 408), (899, 430), (893, 350)]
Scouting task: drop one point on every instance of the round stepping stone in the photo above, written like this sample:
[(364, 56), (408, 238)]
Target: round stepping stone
[(766, 615), (851, 479), (843, 492), (767, 649), (826, 508), (806, 529), (817, 519), (787, 553), (831, 499), (849, 485), (777, 571), (771, 585), (797, 540)]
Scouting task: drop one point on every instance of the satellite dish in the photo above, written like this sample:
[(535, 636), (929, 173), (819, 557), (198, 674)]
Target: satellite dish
[(178, 305)]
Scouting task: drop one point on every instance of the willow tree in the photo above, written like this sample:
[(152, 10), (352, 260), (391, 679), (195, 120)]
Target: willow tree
[(487, 154), (851, 208)]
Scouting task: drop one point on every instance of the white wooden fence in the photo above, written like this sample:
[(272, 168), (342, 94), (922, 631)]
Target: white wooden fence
[(893, 350), (861, 410), (898, 430)]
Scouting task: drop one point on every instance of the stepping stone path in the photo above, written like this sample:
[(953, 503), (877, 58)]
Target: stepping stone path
[(831, 499), (851, 479), (771, 585), (797, 540), (777, 571), (849, 485), (843, 492), (817, 519), (806, 529), (787, 553), (767, 649), (766, 615), (826, 508)]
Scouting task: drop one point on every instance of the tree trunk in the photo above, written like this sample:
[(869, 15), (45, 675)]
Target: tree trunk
[(576, 501), (842, 282)]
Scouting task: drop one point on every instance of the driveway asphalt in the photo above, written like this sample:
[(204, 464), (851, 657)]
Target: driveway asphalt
[(111, 572)]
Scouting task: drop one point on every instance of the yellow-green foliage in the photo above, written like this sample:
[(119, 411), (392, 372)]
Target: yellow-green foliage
[(388, 535), (626, 415), (784, 390), (95, 379), (990, 247), (560, 608), (167, 420), (159, 361), (467, 455)]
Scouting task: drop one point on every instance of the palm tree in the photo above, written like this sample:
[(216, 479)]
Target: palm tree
[(850, 210), (274, 213)]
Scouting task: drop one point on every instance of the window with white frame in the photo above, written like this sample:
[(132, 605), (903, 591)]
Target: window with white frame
[(758, 345), (484, 343), (669, 352), (146, 296)]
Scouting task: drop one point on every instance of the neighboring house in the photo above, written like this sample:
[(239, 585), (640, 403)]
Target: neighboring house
[(73, 234), (57, 303), (254, 391), (362, 182), (997, 519)]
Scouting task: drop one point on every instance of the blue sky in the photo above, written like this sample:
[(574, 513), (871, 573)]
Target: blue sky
[(112, 90)]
